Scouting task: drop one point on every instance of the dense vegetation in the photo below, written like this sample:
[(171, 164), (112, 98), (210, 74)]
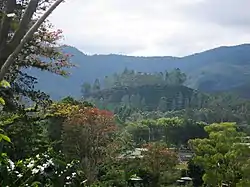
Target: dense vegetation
[(135, 128), (144, 91)]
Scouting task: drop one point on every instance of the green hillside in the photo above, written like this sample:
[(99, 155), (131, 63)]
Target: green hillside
[(148, 97), (218, 69), (162, 91)]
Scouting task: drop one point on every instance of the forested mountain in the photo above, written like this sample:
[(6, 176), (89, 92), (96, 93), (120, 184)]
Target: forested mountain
[(162, 91), (163, 94), (139, 122), (219, 69)]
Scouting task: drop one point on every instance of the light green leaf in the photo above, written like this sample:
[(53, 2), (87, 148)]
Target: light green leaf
[(5, 84), (36, 184), (4, 137), (2, 102)]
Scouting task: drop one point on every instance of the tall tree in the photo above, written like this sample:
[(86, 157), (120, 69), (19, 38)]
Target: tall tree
[(163, 105), (135, 100), (158, 158), (10, 47), (125, 100), (86, 88), (108, 82), (96, 86), (223, 155), (88, 138), (176, 77), (41, 51)]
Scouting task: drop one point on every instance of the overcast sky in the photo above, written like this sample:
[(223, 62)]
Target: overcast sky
[(153, 27)]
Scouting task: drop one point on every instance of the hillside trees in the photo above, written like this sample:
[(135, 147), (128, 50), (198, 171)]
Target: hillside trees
[(163, 104), (86, 88), (131, 78), (96, 86), (176, 77)]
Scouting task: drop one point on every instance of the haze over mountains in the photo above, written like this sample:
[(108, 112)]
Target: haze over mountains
[(219, 69)]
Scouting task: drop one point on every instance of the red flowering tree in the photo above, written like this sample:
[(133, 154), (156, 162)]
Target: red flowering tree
[(89, 137), (158, 159)]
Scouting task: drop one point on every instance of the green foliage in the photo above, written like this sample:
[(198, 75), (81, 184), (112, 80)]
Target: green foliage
[(131, 78), (66, 142), (4, 84), (86, 88), (173, 131), (196, 172), (148, 97), (223, 155), (42, 51), (203, 70), (4, 137), (96, 86), (47, 169), (156, 161)]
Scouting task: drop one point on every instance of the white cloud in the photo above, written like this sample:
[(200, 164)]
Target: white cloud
[(147, 27)]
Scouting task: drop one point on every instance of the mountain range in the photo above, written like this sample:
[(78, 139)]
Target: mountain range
[(220, 69)]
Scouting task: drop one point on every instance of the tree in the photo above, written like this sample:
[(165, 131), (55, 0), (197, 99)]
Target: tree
[(143, 104), (196, 173), (123, 112), (140, 132), (166, 76), (176, 77), (222, 155), (157, 159), (108, 82), (172, 129), (135, 100), (125, 100), (163, 105), (11, 47), (42, 52), (88, 137), (86, 88), (32, 126), (96, 85), (180, 101)]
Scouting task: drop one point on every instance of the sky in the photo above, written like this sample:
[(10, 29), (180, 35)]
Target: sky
[(152, 27)]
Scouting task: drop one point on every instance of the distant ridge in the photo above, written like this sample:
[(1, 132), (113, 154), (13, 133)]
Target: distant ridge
[(222, 68)]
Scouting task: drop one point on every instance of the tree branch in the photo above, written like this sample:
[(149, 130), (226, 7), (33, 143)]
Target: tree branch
[(24, 24), (20, 32), (10, 60), (5, 25)]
